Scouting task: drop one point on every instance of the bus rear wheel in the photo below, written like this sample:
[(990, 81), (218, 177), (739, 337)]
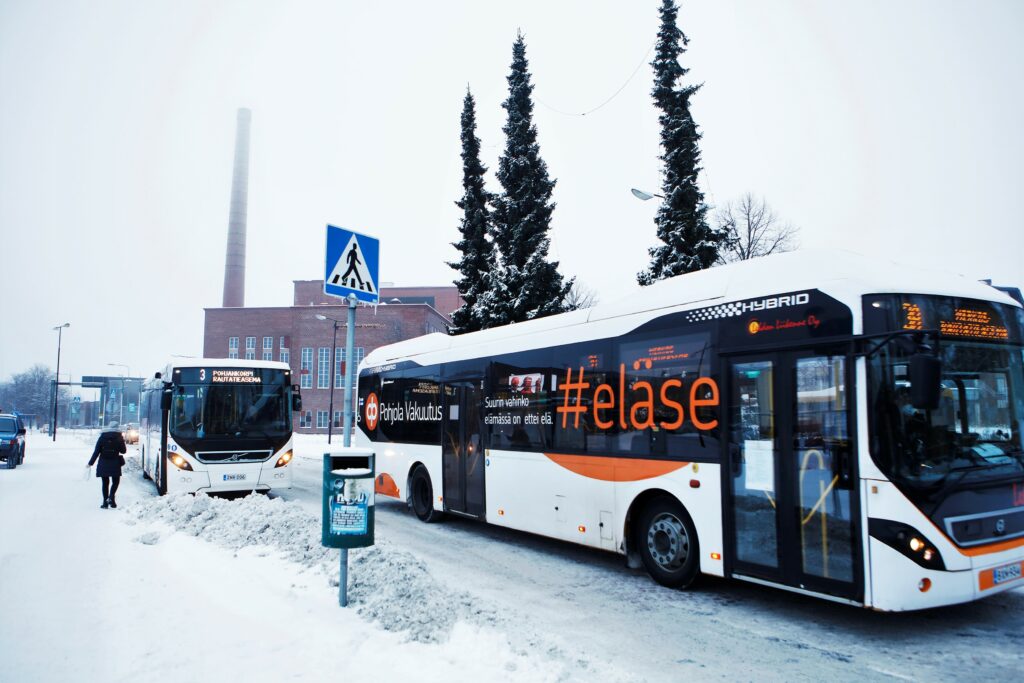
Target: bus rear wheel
[(421, 495), (667, 542)]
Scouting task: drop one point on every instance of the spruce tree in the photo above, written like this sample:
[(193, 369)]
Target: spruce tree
[(478, 257), (689, 242), (525, 285)]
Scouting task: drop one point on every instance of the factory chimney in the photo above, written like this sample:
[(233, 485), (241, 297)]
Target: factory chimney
[(234, 261)]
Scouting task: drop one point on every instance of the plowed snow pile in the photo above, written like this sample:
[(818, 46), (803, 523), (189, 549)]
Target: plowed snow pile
[(387, 585)]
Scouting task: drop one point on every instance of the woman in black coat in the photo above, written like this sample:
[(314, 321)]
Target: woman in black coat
[(109, 448)]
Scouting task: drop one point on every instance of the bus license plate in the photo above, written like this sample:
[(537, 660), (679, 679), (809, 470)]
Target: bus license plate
[(1009, 572), (234, 477)]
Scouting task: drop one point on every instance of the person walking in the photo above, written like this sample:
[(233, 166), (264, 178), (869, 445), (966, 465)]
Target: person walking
[(109, 448)]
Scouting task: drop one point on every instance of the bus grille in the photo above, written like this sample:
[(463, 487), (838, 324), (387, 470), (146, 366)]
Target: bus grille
[(233, 456), (986, 527)]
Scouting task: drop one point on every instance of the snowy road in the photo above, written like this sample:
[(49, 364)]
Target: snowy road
[(195, 588)]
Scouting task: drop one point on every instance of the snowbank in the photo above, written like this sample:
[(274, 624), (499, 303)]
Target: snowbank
[(387, 585)]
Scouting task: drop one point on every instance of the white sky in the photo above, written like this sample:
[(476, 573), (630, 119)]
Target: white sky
[(887, 128)]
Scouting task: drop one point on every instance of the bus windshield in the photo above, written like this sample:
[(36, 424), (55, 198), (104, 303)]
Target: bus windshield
[(202, 411), (977, 427)]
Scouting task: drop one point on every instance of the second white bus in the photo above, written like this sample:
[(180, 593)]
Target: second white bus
[(218, 425)]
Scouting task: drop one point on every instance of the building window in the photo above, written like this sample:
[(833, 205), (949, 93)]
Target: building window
[(337, 419), (285, 356), (305, 420), (321, 419), (232, 354), (283, 344), (323, 368), (340, 366), (233, 344), (250, 348), (306, 368), (268, 343), (268, 355)]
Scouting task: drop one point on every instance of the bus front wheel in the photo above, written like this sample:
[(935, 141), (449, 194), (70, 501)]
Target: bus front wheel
[(421, 495), (667, 542)]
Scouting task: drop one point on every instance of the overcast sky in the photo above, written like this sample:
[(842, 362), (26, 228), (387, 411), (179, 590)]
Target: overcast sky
[(890, 128)]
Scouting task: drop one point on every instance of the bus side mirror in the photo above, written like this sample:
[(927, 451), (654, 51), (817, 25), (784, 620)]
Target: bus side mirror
[(165, 399), (925, 381), (296, 398)]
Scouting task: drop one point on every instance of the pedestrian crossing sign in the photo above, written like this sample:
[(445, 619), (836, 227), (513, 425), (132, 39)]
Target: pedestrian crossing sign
[(351, 265)]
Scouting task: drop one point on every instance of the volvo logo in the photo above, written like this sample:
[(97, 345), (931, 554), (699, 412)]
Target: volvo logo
[(235, 457), (1000, 526)]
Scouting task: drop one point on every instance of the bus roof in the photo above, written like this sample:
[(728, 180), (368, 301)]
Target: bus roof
[(844, 275)]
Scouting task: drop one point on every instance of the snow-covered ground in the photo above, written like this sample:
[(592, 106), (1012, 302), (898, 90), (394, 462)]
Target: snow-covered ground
[(197, 588)]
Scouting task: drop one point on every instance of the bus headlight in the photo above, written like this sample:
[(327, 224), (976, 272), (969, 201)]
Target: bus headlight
[(285, 458), (180, 462), (908, 541)]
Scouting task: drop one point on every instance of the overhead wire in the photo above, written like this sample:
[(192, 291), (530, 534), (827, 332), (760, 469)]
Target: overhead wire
[(612, 96)]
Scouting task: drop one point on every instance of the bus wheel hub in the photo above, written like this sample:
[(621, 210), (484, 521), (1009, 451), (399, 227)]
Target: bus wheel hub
[(667, 541)]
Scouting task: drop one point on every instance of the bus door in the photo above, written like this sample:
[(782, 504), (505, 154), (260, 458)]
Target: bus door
[(792, 506), (462, 454)]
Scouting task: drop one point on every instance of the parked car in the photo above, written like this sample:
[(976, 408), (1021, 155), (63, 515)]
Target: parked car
[(130, 432), (12, 440)]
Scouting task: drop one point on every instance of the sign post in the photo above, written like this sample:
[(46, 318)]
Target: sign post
[(351, 268)]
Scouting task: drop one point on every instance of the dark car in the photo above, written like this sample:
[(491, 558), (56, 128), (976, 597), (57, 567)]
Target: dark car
[(12, 441)]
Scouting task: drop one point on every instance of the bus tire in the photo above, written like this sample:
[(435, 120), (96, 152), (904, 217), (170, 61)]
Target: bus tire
[(667, 542), (421, 495)]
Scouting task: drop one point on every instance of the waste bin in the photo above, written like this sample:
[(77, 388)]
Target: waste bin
[(348, 497)]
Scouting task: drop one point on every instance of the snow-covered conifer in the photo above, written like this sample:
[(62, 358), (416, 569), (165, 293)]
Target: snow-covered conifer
[(478, 258), (689, 243), (525, 285)]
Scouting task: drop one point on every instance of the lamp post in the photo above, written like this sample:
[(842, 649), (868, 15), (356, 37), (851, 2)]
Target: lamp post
[(334, 355), (56, 382), (120, 412), (640, 194)]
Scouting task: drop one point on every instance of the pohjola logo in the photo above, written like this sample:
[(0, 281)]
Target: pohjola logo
[(400, 412)]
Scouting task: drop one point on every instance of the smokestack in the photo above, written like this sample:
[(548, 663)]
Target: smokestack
[(234, 261)]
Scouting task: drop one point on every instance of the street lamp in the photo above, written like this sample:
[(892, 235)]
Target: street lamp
[(334, 355), (120, 412), (640, 194), (56, 383)]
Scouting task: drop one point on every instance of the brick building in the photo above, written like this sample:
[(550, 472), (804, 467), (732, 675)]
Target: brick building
[(294, 335)]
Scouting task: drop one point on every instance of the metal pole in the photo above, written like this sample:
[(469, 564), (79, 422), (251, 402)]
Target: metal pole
[(343, 579), (350, 342), (56, 385), (334, 355)]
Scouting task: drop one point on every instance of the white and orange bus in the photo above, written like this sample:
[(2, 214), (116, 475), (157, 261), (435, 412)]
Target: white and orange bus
[(819, 422)]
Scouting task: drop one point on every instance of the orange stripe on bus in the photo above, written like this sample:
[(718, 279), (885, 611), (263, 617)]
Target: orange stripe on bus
[(994, 548), (615, 469)]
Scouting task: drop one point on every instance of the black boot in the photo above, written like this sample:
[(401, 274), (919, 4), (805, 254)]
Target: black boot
[(113, 503), (106, 504)]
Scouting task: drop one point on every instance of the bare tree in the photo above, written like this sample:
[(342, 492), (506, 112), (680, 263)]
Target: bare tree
[(754, 229), (580, 296)]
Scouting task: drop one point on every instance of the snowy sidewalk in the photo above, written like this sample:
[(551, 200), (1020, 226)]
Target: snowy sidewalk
[(87, 597)]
